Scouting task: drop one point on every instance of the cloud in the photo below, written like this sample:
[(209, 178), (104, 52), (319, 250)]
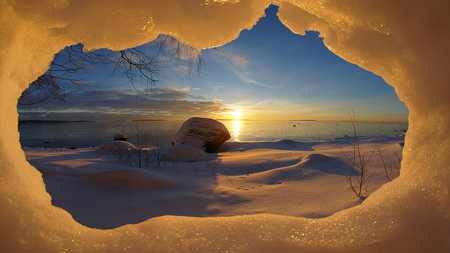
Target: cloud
[(182, 69), (88, 102), (238, 60), (170, 93), (238, 65), (187, 88), (246, 77), (101, 95)]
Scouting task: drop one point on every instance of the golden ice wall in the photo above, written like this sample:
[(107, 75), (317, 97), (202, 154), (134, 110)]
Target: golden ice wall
[(405, 42)]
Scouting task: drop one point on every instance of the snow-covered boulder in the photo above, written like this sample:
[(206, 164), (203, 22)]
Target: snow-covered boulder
[(203, 133), (182, 153), (120, 137)]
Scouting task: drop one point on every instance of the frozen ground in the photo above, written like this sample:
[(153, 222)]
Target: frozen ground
[(302, 179)]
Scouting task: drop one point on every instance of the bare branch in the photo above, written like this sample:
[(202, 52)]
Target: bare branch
[(140, 65)]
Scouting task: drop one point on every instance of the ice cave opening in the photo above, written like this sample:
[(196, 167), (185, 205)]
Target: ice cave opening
[(405, 44), (82, 89)]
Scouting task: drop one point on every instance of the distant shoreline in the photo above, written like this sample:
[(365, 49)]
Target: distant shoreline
[(36, 121), (149, 120), (236, 120)]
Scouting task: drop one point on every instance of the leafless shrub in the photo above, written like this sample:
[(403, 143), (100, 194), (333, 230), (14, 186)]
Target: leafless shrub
[(212, 165), (144, 154), (159, 154), (119, 153), (360, 176), (391, 165)]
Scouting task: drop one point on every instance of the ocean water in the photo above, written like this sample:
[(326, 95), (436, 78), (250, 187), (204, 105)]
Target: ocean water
[(92, 134)]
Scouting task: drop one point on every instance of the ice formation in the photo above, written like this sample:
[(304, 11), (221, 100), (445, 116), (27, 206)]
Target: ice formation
[(405, 42)]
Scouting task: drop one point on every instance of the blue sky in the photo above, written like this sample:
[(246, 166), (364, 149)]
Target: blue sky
[(268, 73)]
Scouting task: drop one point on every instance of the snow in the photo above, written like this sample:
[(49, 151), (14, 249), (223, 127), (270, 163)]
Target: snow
[(299, 179), (183, 153), (405, 43), (116, 146)]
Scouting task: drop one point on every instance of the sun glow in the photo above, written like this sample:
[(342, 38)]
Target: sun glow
[(237, 114)]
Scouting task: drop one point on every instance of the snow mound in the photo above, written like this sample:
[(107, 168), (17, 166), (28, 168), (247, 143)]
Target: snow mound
[(316, 158), (183, 153), (127, 178), (114, 146), (310, 165), (286, 141), (228, 146)]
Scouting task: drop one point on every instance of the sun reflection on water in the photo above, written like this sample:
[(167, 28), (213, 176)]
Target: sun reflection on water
[(236, 130)]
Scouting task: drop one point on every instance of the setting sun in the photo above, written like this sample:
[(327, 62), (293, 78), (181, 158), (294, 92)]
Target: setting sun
[(237, 114)]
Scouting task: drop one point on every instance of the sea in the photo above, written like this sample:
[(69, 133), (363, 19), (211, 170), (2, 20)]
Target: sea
[(160, 133)]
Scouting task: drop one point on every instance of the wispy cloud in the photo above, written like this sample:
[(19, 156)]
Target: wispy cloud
[(217, 100), (181, 69), (238, 65), (170, 93), (239, 60), (246, 77), (88, 101)]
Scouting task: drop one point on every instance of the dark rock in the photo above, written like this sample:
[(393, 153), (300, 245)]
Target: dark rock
[(120, 137)]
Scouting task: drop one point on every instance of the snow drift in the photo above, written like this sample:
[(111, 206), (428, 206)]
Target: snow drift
[(404, 42)]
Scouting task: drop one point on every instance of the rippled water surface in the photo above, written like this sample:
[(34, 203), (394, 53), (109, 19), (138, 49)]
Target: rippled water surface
[(92, 134)]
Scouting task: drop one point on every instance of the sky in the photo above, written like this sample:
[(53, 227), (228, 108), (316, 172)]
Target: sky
[(268, 73)]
